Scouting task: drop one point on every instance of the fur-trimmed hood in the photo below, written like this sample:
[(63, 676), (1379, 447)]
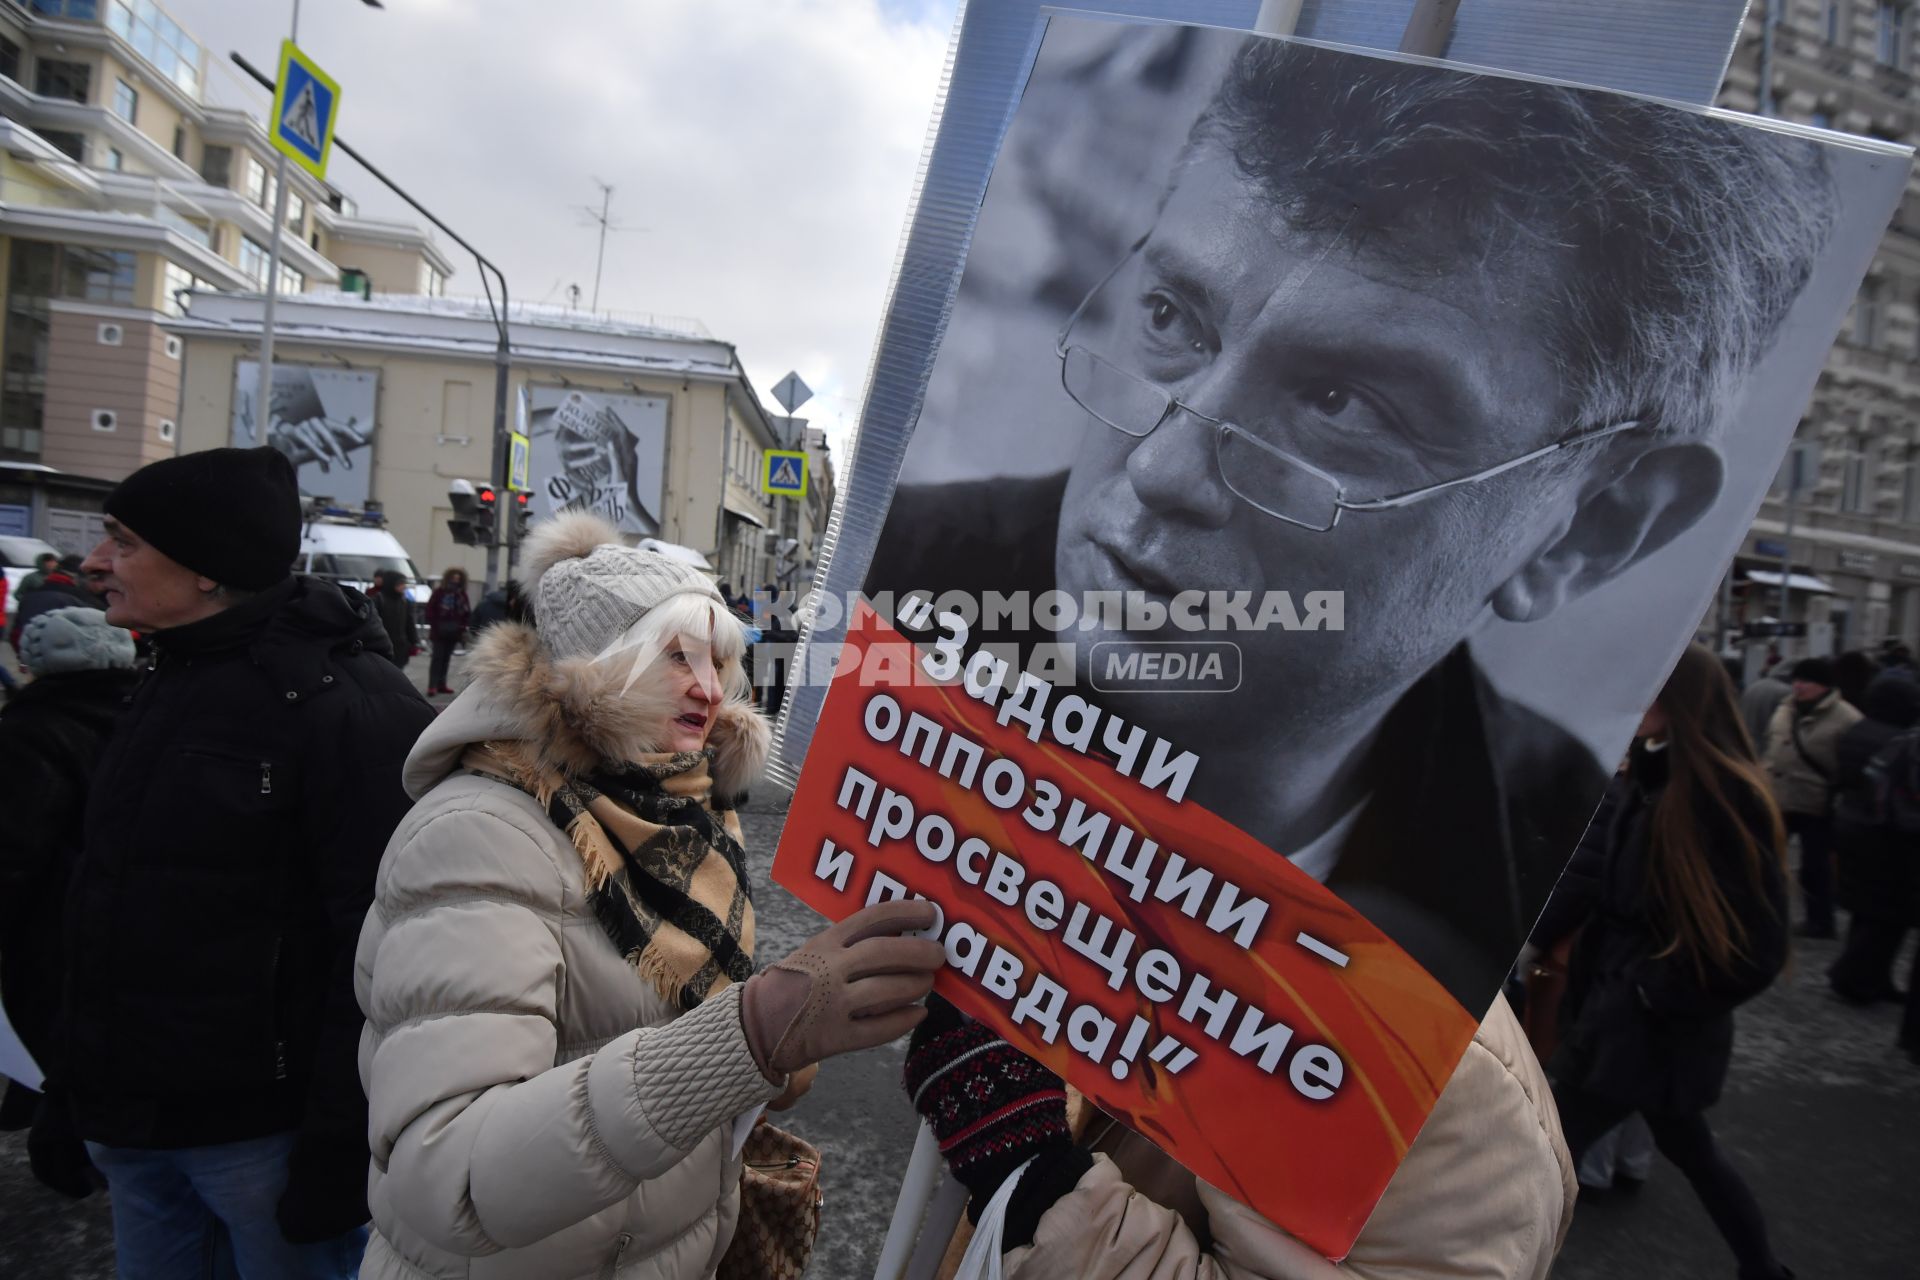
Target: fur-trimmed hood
[(577, 713)]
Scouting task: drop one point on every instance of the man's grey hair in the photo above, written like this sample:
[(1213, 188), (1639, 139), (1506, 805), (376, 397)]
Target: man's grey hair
[(1683, 239)]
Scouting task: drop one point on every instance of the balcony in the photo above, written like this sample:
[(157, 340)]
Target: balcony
[(1889, 88), (1851, 367)]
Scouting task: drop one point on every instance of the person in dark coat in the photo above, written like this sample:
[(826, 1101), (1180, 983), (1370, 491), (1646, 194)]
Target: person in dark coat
[(1853, 671), (395, 609), (208, 1036), (449, 613), (1689, 921), (43, 564), (51, 736), (62, 587), (1879, 868), (1758, 702), (502, 604)]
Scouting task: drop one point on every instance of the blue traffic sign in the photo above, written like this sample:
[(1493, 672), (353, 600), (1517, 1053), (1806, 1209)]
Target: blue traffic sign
[(785, 473), (305, 102)]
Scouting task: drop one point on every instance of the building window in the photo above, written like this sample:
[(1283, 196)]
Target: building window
[(432, 283), (253, 261), (31, 270), (296, 211), (1821, 120), (126, 101), (291, 281), (54, 79), (80, 10), (176, 280), (9, 59), (1910, 486), (179, 142), (73, 145), (1890, 34), (115, 160), (216, 166), (1833, 19), (96, 275), (1853, 476), (1870, 315), (257, 184), (157, 38)]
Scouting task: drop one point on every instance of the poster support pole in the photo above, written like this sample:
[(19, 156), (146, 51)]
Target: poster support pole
[(1429, 27)]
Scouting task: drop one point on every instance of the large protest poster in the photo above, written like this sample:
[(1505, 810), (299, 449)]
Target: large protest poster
[(1301, 411), (599, 451), (321, 417)]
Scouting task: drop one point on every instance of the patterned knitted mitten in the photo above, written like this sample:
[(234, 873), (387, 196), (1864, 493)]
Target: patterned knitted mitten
[(991, 1106)]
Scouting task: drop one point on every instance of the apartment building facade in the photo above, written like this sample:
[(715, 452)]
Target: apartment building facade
[(1853, 558), (122, 190)]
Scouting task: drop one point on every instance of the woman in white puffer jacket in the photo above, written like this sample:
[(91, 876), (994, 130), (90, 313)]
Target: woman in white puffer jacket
[(563, 1023)]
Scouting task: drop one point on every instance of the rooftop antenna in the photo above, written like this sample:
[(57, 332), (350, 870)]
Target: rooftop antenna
[(603, 218)]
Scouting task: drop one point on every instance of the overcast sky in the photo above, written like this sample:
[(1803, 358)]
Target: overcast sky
[(768, 149)]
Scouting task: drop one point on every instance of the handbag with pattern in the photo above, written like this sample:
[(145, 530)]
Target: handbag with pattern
[(779, 1208)]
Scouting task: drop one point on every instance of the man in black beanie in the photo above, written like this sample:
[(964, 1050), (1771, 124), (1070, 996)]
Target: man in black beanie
[(208, 1035)]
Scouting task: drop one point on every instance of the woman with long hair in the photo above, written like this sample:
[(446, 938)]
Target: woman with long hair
[(1690, 921), (449, 614)]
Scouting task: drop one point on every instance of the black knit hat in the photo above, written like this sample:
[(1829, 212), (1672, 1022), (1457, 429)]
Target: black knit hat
[(232, 515), (1814, 671)]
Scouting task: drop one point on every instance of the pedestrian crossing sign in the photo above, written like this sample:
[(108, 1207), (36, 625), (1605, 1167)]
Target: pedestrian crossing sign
[(784, 473), (519, 463), (306, 102)]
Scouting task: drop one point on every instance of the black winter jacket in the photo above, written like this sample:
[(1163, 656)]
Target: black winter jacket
[(395, 609), (51, 735), (1644, 1029), (231, 842), (1879, 869)]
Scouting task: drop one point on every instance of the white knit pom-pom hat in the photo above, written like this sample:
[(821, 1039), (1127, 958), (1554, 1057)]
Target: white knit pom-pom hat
[(588, 588)]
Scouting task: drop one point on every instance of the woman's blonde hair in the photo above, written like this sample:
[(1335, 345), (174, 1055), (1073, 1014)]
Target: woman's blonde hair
[(692, 615)]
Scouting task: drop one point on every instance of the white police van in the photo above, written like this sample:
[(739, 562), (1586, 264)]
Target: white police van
[(348, 547)]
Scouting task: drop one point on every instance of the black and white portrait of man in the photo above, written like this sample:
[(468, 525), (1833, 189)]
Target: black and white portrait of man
[(1466, 350)]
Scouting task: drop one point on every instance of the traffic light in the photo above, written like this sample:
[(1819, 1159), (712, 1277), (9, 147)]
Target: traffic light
[(522, 514), (465, 504), (486, 515)]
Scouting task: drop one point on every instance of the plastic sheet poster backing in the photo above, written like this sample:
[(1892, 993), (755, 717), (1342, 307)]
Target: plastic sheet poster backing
[(1296, 418)]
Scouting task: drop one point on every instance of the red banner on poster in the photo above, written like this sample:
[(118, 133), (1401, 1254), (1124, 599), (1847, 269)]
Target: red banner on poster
[(1163, 962)]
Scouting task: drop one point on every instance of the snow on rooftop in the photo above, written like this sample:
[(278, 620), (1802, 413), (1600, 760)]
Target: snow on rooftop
[(463, 326), (543, 315)]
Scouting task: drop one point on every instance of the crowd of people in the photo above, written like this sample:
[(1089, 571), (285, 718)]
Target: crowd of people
[(324, 984), (486, 985)]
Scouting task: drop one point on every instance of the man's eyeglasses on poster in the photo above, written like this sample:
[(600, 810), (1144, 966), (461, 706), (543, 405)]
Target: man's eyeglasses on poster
[(1266, 477)]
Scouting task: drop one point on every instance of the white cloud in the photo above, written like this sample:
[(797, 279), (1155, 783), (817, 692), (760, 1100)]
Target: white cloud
[(769, 149)]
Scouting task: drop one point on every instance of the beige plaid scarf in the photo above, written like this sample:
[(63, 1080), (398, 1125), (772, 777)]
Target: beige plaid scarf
[(666, 874)]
